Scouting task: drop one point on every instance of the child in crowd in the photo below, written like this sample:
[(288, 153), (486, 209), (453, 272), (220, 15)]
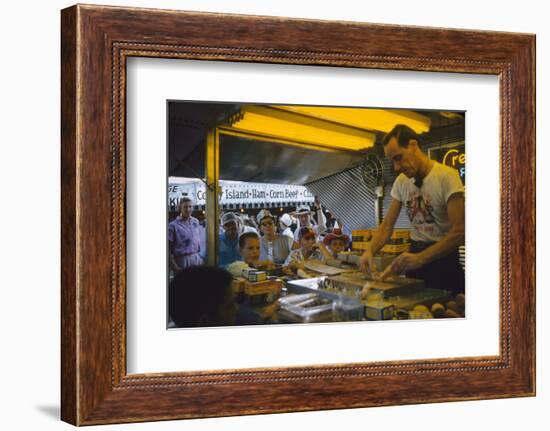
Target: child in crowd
[(309, 250), (249, 249), (336, 242)]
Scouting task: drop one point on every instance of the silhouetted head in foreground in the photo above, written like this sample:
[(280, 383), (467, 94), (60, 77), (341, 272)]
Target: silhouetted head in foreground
[(202, 296)]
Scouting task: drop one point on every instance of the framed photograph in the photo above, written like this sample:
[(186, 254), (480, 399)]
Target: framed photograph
[(280, 207)]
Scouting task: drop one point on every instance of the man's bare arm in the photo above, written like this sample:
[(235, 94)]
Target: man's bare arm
[(409, 261), (380, 237), (384, 231)]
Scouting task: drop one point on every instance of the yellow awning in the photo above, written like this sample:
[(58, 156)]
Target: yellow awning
[(382, 120), (272, 122), (326, 128)]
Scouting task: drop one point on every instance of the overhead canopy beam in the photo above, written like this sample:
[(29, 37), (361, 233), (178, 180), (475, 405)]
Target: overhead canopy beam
[(271, 122), (382, 120)]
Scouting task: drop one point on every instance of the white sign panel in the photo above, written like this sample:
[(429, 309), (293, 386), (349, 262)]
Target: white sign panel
[(237, 192)]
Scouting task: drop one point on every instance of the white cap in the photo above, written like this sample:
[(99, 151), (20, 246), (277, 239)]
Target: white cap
[(263, 214), (303, 209), (286, 220), (227, 217)]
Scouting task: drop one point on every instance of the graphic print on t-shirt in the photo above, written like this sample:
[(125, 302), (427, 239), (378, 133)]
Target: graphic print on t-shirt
[(420, 211)]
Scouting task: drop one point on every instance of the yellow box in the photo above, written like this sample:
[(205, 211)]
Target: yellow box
[(262, 292), (262, 287), (257, 276), (238, 285), (361, 235), (359, 245), (379, 312), (396, 248), (401, 233)]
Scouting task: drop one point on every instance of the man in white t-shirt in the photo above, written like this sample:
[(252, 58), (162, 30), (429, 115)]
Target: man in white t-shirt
[(433, 197)]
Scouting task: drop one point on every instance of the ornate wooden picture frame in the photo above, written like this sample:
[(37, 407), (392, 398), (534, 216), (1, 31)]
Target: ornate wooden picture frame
[(96, 42)]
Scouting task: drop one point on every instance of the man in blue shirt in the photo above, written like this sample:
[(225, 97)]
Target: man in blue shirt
[(228, 244)]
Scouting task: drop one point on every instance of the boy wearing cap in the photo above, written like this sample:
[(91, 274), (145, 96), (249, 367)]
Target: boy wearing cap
[(336, 241), (309, 250)]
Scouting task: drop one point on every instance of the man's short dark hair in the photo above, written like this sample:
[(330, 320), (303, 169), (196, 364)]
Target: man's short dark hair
[(197, 292), (403, 134), (183, 201)]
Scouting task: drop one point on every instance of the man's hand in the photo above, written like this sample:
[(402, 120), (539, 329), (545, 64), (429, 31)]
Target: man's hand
[(296, 265), (287, 270), (403, 263), (366, 263), (317, 202), (173, 264)]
